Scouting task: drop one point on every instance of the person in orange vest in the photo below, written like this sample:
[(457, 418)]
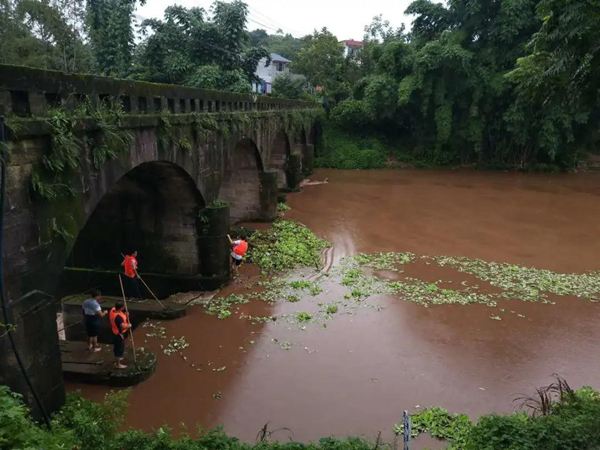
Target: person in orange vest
[(240, 247), (119, 323), (130, 266)]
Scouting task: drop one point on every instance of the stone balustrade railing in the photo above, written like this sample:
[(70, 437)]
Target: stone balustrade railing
[(25, 91)]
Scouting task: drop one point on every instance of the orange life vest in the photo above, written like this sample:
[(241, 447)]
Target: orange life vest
[(241, 248), (129, 266), (112, 316)]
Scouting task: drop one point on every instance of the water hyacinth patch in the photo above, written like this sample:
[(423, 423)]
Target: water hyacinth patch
[(525, 283), (303, 317), (358, 274), (384, 261), (221, 306), (158, 332), (332, 309), (426, 294), (175, 345), (516, 282), (287, 245)]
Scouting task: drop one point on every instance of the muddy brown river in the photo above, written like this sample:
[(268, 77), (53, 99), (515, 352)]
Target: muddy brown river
[(357, 375)]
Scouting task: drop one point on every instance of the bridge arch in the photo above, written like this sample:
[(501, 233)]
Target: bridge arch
[(241, 183), (151, 209), (279, 158)]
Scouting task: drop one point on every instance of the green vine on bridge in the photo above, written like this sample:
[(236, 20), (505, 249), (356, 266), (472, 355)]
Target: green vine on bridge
[(168, 134), (53, 177), (112, 140)]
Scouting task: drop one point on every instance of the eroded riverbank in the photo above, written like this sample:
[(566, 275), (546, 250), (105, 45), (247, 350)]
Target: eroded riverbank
[(355, 376)]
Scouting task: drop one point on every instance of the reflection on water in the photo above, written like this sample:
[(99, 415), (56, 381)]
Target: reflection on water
[(357, 376)]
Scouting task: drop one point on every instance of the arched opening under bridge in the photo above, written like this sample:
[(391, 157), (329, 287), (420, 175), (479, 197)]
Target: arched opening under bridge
[(153, 209)]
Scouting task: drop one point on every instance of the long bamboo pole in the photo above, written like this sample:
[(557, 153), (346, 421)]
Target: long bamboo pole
[(155, 298), (152, 293), (131, 329)]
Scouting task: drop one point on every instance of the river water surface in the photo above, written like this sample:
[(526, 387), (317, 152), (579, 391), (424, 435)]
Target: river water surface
[(356, 376)]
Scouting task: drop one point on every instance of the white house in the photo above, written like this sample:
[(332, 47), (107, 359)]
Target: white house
[(279, 66), (351, 48)]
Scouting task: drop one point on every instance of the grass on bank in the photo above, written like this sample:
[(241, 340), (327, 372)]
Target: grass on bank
[(559, 418)]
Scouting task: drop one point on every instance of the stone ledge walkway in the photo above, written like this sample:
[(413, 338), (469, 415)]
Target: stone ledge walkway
[(98, 368)]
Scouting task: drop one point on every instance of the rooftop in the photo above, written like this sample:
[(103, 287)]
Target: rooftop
[(353, 43), (278, 58)]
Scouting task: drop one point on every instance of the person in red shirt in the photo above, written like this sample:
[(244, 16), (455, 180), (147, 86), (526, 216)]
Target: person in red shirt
[(130, 266), (240, 247)]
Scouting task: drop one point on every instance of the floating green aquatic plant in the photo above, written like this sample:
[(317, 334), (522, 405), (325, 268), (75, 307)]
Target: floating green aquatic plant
[(287, 245), (175, 345), (221, 306), (384, 261), (526, 283)]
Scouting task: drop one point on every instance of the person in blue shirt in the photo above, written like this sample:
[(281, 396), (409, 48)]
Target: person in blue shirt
[(92, 313)]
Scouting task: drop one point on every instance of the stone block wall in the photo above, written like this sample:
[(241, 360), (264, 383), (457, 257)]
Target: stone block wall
[(241, 182), (278, 160)]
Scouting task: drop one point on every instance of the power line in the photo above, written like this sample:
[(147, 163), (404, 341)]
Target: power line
[(271, 24), (268, 19), (250, 19)]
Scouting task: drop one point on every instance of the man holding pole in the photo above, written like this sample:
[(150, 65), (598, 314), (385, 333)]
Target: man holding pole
[(130, 265), (119, 323)]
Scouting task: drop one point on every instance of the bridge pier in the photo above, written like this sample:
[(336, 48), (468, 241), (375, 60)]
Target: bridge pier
[(294, 171), (213, 244), (268, 196)]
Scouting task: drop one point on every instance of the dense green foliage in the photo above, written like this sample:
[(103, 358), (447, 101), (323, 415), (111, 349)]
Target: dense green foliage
[(285, 45), (510, 84), (190, 47), (561, 419), (287, 86), (111, 34), (322, 61), (47, 34), (349, 152), (573, 425), (569, 420)]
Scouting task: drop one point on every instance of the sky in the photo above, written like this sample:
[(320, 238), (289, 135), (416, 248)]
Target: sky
[(344, 18)]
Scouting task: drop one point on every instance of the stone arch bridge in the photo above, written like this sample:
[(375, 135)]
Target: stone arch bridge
[(186, 149)]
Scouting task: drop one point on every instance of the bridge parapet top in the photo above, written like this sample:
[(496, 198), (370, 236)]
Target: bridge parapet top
[(27, 91)]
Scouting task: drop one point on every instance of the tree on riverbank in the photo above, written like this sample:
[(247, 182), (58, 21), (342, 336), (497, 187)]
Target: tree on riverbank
[(191, 46), (509, 84)]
